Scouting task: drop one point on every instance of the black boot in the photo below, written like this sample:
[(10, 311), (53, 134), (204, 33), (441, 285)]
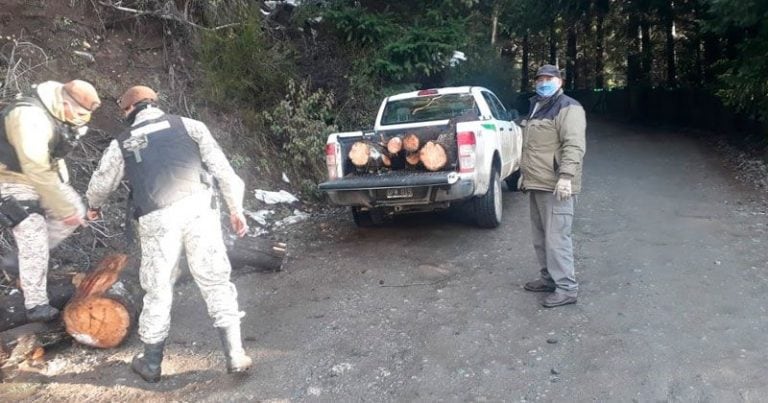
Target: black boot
[(237, 361), (42, 313), (148, 364)]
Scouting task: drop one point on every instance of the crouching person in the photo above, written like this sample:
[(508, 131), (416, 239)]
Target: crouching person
[(40, 207), (166, 160)]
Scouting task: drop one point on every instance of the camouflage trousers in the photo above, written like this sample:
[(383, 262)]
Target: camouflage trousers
[(193, 226), (34, 237)]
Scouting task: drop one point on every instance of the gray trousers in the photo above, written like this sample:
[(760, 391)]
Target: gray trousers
[(551, 222), (192, 226)]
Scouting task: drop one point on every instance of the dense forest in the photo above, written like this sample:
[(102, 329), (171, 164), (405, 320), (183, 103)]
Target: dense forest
[(293, 71), (347, 54)]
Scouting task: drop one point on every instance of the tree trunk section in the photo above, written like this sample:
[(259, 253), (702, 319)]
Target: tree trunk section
[(633, 50), (524, 77), (646, 52), (98, 318), (411, 143), (552, 45), (433, 156), (368, 155), (570, 63), (256, 253), (669, 23), (412, 159), (600, 48), (394, 145)]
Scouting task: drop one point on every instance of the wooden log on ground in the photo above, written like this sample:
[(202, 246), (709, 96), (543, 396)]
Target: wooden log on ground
[(258, 253), (27, 341), (100, 315), (411, 143)]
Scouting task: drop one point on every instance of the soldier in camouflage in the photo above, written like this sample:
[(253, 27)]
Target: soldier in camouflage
[(167, 161), (36, 132)]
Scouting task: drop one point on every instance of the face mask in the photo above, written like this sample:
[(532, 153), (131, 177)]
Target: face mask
[(546, 88), (78, 121)]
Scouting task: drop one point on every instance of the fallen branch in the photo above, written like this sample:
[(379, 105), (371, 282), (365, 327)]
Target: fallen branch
[(165, 15)]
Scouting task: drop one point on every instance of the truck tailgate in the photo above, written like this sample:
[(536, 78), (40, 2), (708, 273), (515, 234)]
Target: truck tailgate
[(392, 179)]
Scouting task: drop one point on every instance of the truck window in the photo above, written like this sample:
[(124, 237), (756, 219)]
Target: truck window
[(428, 108), (497, 109)]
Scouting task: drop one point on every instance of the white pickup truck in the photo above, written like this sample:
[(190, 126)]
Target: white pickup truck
[(488, 149)]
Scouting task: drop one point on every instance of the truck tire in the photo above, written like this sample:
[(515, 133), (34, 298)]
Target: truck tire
[(367, 218), (512, 181), (488, 208)]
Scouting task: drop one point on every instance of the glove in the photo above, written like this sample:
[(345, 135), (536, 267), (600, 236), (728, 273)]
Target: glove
[(563, 189)]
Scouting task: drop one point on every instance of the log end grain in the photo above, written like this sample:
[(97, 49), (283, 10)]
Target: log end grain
[(411, 142), (97, 321), (359, 154), (394, 145)]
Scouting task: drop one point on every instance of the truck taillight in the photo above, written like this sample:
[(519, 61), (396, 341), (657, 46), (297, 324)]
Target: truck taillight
[(331, 150), (466, 142)]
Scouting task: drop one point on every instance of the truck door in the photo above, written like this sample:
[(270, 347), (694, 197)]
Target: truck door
[(505, 132)]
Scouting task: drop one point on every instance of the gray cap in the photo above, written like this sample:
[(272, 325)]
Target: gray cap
[(548, 70)]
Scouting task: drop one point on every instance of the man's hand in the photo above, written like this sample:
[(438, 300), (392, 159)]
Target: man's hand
[(563, 189), (93, 214), (75, 220), (239, 225)]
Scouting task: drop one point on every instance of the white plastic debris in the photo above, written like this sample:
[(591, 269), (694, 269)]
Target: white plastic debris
[(14, 291), (298, 216), (457, 58), (259, 216), (285, 178), (274, 197)]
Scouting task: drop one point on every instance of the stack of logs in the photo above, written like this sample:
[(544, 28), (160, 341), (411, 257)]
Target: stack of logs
[(407, 151)]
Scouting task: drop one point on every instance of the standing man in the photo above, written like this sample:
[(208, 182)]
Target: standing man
[(554, 143), (36, 132), (167, 160)]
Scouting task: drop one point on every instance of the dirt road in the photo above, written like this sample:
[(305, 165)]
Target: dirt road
[(671, 257)]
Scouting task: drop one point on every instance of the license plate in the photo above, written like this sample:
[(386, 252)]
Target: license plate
[(399, 193)]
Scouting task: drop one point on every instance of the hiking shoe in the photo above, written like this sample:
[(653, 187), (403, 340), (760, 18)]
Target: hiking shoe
[(557, 299), (539, 285), (42, 313)]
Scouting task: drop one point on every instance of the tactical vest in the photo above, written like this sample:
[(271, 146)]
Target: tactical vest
[(162, 164), (62, 142)]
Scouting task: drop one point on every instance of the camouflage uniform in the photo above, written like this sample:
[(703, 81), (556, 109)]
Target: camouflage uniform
[(29, 130), (191, 224)]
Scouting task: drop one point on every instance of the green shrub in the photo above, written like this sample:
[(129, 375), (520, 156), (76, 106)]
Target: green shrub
[(299, 126), (242, 65)]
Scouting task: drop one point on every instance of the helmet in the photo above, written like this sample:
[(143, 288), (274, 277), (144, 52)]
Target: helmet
[(135, 95), (83, 93)]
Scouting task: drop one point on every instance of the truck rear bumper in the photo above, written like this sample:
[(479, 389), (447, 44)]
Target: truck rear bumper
[(390, 180), (418, 189)]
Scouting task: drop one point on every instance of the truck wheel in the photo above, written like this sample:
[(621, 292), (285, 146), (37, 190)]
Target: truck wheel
[(367, 218), (512, 180), (488, 206)]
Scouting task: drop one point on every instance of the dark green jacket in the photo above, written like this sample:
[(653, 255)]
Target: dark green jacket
[(554, 142)]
